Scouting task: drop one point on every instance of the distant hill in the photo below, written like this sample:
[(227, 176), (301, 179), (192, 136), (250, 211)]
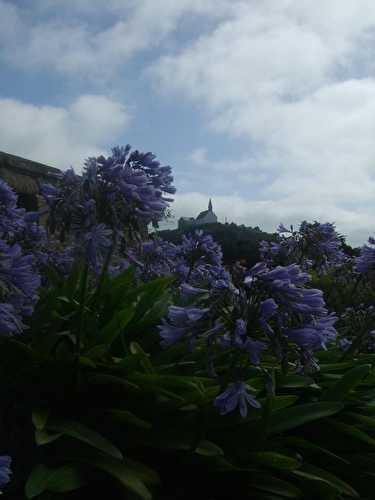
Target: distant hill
[(237, 242)]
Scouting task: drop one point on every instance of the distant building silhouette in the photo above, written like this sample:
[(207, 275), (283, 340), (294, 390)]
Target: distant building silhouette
[(25, 177), (205, 217)]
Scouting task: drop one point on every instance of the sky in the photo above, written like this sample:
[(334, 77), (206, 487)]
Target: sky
[(266, 107)]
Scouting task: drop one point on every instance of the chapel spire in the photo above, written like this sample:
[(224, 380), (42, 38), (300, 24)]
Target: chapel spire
[(210, 206)]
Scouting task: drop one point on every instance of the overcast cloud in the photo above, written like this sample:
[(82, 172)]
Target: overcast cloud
[(268, 107)]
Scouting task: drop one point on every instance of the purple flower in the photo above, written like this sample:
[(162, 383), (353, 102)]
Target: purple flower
[(344, 344), (11, 217), (10, 322), (183, 323), (254, 348), (98, 242), (366, 261), (18, 287), (5, 471), (236, 395), (316, 334), (313, 245), (268, 308), (245, 343), (191, 291)]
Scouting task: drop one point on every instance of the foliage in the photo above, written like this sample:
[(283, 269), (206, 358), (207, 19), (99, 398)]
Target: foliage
[(134, 375), (238, 242)]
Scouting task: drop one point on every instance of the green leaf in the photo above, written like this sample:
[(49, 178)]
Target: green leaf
[(127, 475), (290, 418), (208, 449), (61, 480), (294, 381), (348, 382), (272, 484), (103, 379), (82, 433), (40, 417), (97, 351), (37, 481), (363, 419), (274, 460), (64, 479), (45, 437), (354, 432), (116, 325), (300, 443), (280, 402), (317, 474), (129, 418)]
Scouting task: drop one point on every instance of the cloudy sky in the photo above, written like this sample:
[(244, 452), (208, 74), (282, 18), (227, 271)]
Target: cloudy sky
[(266, 106)]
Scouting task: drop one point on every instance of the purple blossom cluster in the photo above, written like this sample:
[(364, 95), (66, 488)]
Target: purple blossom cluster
[(246, 313), (197, 261), (365, 263), (114, 198), (313, 246), (20, 241), (5, 470), (357, 329)]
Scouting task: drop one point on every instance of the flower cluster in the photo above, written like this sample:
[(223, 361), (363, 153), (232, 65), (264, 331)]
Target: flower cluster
[(11, 217), (357, 329), (365, 263), (114, 199), (246, 314), (313, 245), (20, 240), (5, 471), (18, 287)]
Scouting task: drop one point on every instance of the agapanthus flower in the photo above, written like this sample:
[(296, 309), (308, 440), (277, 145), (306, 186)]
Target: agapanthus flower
[(344, 344), (316, 334), (191, 291), (313, 245), (97, 243), (268, 309), (11, 218), (184, 323), (365, 263), (155, 258), (19, 283), (5, 470), (10, 321), (237, 395)]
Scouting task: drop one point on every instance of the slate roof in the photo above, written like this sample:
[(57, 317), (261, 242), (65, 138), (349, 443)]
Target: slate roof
[(24, 175)]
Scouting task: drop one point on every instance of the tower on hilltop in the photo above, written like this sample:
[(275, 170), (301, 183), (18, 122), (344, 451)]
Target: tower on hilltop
[(205, 217)]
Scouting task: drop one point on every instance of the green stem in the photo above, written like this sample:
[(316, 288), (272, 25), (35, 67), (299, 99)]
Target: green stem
[(81, 314)]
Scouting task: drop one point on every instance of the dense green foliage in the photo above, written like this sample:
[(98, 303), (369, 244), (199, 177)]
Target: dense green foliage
[(237, 242), (149, 371), (91, 390)]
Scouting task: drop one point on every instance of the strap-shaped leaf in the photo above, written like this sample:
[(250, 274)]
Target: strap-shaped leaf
[(317, 474), (37, 481), (127, 474), (290, 418), (349, 381), (208, 449), (275, 460), (60, 480), (277, 486), (79, 431)]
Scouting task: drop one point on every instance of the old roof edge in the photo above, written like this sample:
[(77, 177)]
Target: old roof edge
[(28, 167)]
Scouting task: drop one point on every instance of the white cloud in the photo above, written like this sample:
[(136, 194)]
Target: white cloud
[(295, 78), (90, 39), (266, 214), (61, 136)]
